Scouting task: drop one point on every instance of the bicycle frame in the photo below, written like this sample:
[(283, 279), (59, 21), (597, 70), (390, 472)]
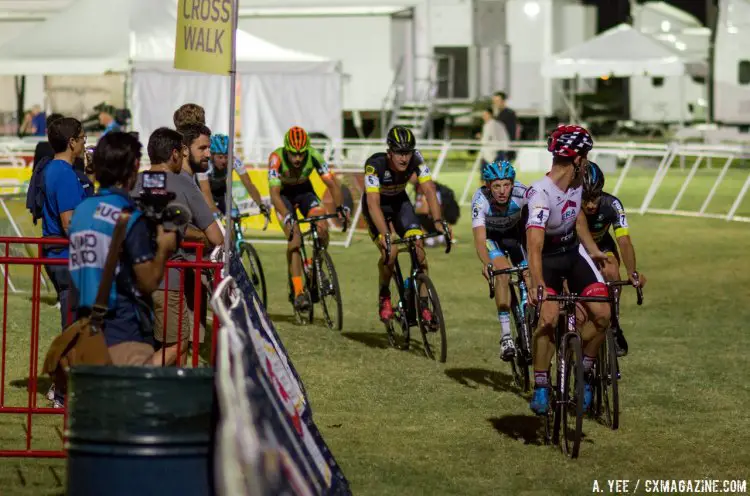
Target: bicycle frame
[(519, 283)]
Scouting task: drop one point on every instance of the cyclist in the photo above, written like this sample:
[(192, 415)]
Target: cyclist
[(554, 234), (498, 235), (386, 204), (213, 182), (602, 211), (289, 170)]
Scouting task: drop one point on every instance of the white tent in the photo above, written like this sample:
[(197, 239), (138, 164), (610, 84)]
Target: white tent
[(279, 87), (619, 52)]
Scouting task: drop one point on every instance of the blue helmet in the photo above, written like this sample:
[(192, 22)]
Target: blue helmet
[(220, 144), (498, 170)]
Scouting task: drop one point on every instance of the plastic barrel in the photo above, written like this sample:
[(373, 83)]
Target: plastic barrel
[(139, 431)]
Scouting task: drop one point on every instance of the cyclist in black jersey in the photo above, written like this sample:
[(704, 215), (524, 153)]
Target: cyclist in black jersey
[(386, 206), (213, 182), (603, 211)]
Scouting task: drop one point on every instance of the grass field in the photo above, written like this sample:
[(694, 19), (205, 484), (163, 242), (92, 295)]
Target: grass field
[(400, 424)]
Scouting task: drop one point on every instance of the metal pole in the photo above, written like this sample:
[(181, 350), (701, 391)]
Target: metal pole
[(230, 165)]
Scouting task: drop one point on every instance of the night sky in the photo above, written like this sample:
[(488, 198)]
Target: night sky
[(613, 12)]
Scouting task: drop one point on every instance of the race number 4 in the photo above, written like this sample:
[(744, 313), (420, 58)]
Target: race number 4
[(539, 216)]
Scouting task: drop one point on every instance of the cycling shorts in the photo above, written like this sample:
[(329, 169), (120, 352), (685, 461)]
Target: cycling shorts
[(608, 245), (301, 197), (575, 266), (397, 210), (506, 247)]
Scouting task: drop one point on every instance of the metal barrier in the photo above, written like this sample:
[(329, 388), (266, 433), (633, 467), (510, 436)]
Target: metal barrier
[(32, 408)]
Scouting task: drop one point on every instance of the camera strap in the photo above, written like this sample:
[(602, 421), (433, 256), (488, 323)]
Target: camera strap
[(101, 305)]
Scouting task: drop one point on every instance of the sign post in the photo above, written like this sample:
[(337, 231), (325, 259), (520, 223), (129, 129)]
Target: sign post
[(206, 42)]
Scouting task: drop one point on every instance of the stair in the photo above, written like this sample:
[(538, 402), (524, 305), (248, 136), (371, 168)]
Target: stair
[(414, 116)]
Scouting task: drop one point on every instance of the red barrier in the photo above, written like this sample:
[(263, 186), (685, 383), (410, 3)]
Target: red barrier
[(37, 263)]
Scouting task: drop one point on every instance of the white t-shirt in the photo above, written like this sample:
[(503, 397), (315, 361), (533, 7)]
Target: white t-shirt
[(555, 211)]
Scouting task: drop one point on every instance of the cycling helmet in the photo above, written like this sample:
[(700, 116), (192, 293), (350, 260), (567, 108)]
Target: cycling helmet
[(220, 144), (498, 170), (593, 180), (296, 140), (401, 140), (570, 141)]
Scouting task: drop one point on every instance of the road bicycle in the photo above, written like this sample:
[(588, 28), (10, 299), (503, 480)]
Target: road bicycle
[(416, 294), (321, 283), (249, 256)]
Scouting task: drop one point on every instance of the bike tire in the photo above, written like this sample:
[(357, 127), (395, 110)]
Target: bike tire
[(571, 398), (609, 374), (256, 271), (436, 326), (333, 291), (402, 341), (520, 363)]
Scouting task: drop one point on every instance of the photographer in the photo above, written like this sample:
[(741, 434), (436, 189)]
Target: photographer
[(128, 325), (165, 150)]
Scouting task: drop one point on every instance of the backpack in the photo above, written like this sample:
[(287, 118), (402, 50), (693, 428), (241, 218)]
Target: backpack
[(449, 205), (35, 193)]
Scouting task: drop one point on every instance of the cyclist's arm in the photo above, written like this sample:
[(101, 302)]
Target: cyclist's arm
[(251, 189), (207, 195), (535, 228), (627, 252), (334, 188), (376, 213), (622, 233), (277, 202), (480, 243), (430, 194)]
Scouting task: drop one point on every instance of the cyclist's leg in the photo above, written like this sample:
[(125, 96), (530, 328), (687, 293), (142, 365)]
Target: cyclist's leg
[(499, 259), (294, 259), (385, 271), (310, 206), (406, 222)]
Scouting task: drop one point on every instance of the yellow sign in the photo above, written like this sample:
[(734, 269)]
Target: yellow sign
[(203, 42)]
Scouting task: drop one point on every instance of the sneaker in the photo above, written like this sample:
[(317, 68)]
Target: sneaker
[(51, 393), (540, 400), (621, 344), (301, 303), (386, 310), (507, 349)]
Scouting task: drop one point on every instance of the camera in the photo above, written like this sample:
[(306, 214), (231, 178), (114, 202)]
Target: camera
[(158, 204)]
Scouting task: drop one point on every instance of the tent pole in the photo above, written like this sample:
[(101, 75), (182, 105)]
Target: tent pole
[(232, 109)]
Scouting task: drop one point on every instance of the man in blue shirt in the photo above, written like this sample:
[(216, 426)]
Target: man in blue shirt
[(128, 324), (64, 189)]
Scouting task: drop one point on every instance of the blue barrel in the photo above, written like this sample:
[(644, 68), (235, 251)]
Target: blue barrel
[(139, 431)]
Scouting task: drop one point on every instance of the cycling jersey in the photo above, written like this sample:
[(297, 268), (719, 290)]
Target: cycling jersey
[(217, 180), (486, 213), (610, 212), (379, 178), (555, 211), (283, 174)]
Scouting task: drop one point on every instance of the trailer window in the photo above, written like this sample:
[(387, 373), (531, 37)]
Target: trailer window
[(657, 82), (743, 72)]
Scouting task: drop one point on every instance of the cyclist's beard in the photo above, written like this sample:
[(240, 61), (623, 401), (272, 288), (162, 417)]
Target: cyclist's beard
[(197, 166)]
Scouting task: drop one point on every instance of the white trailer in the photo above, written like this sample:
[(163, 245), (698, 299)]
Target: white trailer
[(732, 63)]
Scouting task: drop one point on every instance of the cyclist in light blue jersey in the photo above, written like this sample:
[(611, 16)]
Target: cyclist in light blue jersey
[(498, 236)]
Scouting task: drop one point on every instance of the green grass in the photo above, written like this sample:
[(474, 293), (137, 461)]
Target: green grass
[(400, 424)]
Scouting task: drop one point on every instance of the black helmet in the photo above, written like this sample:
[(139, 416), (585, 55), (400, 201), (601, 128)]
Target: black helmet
[(593, 180), (401, 140)]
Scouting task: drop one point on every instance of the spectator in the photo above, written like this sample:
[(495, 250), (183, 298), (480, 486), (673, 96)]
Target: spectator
[(34, 122), (128, 324), (190, 113), (43, 148), (107, 119), (165, 151), (63, 189), (508, 118), (495, 140)]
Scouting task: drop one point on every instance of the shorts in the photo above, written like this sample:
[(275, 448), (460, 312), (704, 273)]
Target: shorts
[(174, 316), (506, 247), (577, 267), (300, 197), (397, 210), (608, 245)]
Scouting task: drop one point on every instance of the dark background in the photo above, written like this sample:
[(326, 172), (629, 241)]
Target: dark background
[(614, 12)]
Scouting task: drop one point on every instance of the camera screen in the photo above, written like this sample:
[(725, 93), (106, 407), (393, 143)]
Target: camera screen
[(154, 180)]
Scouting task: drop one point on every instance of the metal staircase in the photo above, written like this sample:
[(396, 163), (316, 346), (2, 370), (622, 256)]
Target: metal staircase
[(416, 114)]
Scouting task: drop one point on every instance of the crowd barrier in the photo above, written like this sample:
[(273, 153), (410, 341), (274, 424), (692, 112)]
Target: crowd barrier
[(26, 448)]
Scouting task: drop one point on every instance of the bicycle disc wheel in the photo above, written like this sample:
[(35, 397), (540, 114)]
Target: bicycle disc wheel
[(329, 292), (609, 383), (433, 331), (571, 404), (255, 270)]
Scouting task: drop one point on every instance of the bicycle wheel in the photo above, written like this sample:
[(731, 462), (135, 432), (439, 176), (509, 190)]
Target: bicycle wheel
[(301, 317), (571, 398), (433, 331), (398, 328), (521, 362), (329, 292), (610, 394), (255, 270)]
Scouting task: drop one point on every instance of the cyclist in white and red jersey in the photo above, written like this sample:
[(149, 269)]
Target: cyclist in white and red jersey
[(554, 234)]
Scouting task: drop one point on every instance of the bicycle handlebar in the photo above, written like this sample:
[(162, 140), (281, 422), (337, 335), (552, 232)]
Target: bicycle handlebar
[(314, 219), (492, 273), (238, 217), (418, 237), (638, 289)]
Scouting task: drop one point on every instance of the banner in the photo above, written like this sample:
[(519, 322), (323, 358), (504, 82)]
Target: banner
[(307, 453), (203, 42)]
